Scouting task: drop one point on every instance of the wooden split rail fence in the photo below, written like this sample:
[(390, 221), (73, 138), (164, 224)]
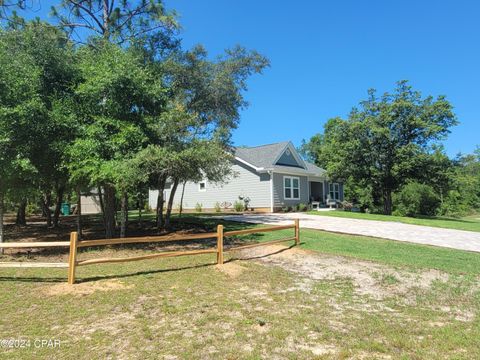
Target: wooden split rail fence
[(74, 244)]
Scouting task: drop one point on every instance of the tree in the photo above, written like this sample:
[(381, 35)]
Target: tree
[(118, 101), (44, 136), (384, 143), (19, 102), (116, 21), (205, 99)]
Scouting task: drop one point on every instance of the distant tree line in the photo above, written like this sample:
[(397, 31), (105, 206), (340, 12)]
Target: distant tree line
[(109, 100), (388, 152)]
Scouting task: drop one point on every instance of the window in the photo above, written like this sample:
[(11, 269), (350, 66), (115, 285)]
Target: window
[(202, 186), (334, 190), (291, 187)]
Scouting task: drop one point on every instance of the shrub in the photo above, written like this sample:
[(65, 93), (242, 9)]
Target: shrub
[(302, 207), (347, 206), (454, 205), (416, 199), (286, 209), (218, 208), (32, 209), (198, 207), (239, 206)]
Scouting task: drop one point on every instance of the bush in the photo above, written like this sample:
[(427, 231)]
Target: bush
[(302, 207), (454, 205), (286, 209), (218, 208), (198, 207), (239, 206), (347, 206), (416, 199), (32, 209)]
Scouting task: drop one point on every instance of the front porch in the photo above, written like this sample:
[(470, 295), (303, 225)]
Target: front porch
[(324, 194)]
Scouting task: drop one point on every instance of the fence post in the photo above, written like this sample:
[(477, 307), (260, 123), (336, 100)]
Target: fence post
[(72, 259), (220, 244), (297, 232)]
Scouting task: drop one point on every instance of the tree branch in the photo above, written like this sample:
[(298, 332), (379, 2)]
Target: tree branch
[(89, 12)]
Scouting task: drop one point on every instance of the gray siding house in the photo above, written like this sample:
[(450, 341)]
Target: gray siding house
[(272, 176)]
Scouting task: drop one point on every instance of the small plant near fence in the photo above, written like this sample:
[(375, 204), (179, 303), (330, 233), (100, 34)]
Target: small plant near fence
[(238, 206), (198, 207), (218, 208), (74, 244)]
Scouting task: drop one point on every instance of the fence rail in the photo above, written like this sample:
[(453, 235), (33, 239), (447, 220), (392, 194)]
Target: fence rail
[(74, 244)]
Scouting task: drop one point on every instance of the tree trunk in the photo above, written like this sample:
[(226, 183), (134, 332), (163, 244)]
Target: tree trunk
[(21, 213), (170, 204), (102, 205), (58, 205), (79, 214), (106, 25), (109, 203), (46, 203), (160, 200), (124, 219), (140, 207), (387, 201), (181, 198), (1, 221)]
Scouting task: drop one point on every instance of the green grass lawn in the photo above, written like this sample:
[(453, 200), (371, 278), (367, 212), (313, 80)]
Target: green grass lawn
[(468, 223), (389, 252), (188, 308)]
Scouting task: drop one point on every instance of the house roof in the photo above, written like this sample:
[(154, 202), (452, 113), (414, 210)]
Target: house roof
[(265, 157)]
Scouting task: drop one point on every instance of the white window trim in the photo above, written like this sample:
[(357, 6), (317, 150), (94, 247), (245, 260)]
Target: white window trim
[(205, 188), (337, 185), (291, 187)]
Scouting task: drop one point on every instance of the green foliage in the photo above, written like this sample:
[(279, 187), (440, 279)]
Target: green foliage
[(32, 208), (463, 196), (302, 207), (416, 199), (238, 206), (119, 98), (198, 207), (218, 208)]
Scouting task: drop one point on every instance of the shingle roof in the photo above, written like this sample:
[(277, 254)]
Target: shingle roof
[(315, 169), (264, 156)]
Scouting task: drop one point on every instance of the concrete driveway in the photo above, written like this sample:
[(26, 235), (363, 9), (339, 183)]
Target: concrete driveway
[(456, 239)]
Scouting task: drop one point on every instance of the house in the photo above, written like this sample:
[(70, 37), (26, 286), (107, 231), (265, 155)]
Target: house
[(273, 176)]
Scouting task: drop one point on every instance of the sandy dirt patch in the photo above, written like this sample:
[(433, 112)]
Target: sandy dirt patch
[(231, 269), (86, 288), (367, 277)]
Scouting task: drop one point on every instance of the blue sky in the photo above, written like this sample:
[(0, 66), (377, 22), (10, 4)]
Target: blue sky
[(326, 54)]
